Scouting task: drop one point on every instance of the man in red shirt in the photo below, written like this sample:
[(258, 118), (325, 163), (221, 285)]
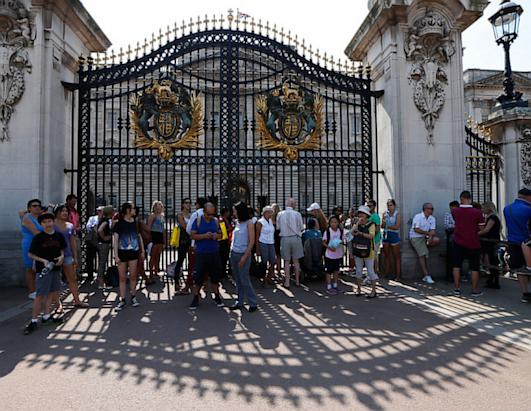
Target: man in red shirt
[(466, 242)]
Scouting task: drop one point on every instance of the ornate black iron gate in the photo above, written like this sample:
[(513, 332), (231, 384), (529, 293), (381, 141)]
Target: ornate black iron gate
[(227, 68), (482, 164)]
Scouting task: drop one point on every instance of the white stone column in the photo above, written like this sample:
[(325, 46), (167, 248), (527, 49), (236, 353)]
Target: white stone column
[(415, 52), (511, 129)]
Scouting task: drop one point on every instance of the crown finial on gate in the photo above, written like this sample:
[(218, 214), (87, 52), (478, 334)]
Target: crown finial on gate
[(469, 121), (368, 71), (359, 70), (230, 16), (152, 42)]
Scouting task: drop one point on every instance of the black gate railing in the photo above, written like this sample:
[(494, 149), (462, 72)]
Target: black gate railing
[(482, 165), (228, 66)]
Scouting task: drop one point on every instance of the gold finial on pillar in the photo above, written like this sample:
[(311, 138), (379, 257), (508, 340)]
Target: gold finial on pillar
[(469, 122)]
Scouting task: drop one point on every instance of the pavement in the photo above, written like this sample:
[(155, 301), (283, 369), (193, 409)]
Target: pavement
[(414, 347)]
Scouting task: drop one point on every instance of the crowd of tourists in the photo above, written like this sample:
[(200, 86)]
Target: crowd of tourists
[(270, 243)]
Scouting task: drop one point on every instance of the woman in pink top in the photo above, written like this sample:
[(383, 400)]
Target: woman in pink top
[(333, 241)]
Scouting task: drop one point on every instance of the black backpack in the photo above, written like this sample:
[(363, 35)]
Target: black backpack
[(361, 246)]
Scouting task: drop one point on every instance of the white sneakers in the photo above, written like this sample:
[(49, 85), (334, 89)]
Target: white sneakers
[(428, 279), (32, 295)]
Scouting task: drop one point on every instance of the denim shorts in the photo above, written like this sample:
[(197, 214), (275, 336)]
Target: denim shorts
[(48, 283), (392, 238), (267, 252)]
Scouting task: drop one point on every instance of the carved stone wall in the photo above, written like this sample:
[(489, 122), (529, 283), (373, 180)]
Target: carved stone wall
[(17, 32), (525, 155), (429, 48)]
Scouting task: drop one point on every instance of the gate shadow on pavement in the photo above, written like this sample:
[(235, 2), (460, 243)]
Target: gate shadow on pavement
[(307, 349)]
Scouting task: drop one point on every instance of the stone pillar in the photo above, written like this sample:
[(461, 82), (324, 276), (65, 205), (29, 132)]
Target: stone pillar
[(511, 129), (39, 45), (415, 48)]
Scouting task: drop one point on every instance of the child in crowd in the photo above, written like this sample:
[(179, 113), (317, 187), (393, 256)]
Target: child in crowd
[(47, 251), (333, 241)]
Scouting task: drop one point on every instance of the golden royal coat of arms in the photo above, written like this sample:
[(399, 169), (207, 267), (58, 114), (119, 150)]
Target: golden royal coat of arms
[(167, 118), (290, 120)]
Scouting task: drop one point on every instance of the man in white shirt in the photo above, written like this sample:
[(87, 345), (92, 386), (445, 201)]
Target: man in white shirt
[(421, 232), (289, 222)]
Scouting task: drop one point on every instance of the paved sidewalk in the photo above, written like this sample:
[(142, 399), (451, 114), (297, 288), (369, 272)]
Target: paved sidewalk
[(13, 302), (412, 348)]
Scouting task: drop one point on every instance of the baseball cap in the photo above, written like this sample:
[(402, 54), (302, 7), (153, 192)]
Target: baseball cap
[(100, 208), (314, 206), (365, 210), (524, 192)]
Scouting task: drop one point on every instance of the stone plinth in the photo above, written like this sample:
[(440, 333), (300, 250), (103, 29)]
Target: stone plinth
[(511, 130), (414, 48)]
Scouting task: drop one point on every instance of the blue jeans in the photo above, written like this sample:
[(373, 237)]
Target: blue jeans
[(243, 282)]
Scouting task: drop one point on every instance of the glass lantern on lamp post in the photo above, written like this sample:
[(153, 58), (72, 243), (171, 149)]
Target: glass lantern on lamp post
[(506, 23)]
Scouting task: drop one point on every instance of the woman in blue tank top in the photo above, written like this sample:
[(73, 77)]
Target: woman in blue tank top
[(29, 228), (156, 224), (240, 256)]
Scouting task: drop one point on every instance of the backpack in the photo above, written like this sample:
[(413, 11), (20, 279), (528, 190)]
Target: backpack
[(361, 246), (92, 236)]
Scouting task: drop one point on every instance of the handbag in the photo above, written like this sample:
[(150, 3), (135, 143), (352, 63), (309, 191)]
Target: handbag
[(175, 236), (361, 246), (112, 277)]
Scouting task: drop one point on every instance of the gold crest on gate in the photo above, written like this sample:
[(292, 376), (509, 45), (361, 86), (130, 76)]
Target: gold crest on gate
[(167, 118), (290, 120)]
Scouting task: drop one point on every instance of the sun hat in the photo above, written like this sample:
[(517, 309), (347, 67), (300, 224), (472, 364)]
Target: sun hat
[(266, 209), (314, 206), (365, 210)]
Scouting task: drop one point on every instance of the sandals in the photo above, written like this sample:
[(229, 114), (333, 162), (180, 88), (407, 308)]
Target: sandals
[(81, 305)]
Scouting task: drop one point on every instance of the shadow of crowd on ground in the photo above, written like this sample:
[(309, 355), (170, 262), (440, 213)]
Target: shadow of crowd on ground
[(309, 347)]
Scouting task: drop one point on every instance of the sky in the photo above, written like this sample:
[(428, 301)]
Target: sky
[(328, 25)]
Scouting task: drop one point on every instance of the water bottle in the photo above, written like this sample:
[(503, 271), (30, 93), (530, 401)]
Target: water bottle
[(47, 268)]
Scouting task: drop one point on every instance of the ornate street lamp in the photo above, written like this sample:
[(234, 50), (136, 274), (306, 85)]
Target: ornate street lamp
[(506, 22)]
